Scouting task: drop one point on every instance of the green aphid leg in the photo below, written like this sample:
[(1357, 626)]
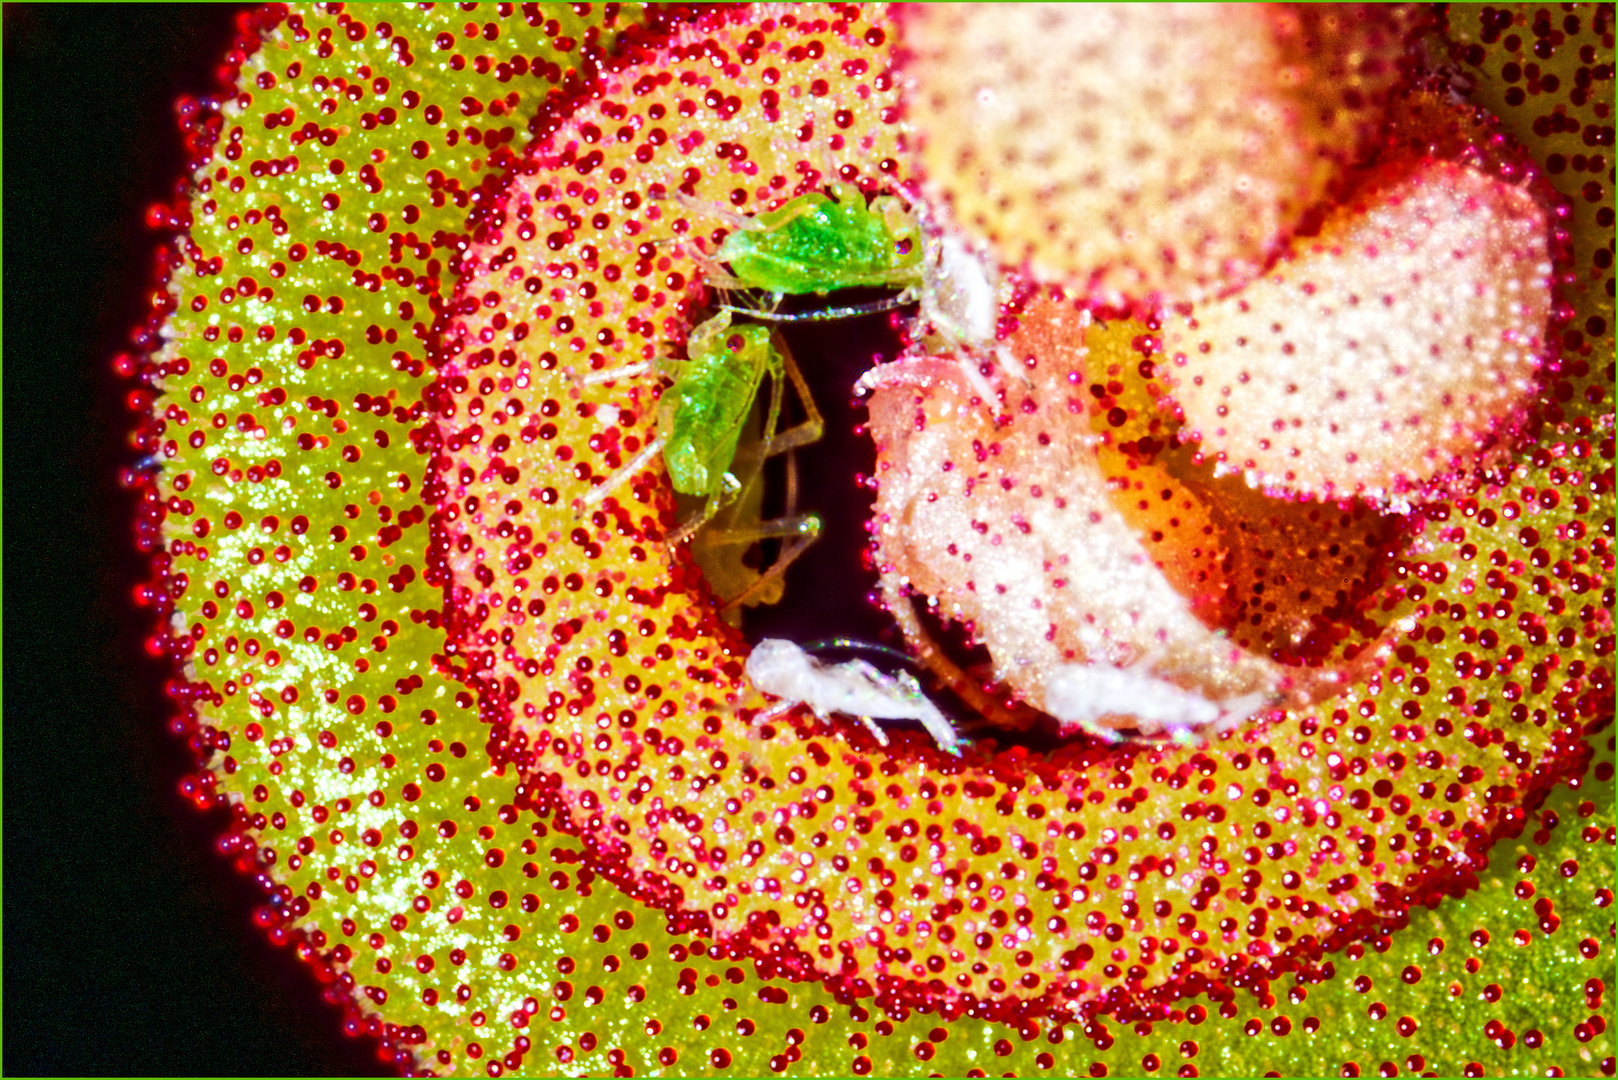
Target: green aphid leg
[(722, 544)]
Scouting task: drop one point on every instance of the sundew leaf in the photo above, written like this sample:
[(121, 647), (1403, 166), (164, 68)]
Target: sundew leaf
[(293, 547), (472, 934), (1047, 144), (1545, 72), (1521, 955)]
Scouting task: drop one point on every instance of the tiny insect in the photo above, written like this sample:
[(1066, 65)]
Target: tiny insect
[(815, 243), (702, 416), (1081, 694), (854, 688), (818, 243)]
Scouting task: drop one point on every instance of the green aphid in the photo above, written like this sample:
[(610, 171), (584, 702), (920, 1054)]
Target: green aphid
[(822, 242), (702, 418), (701, 415)]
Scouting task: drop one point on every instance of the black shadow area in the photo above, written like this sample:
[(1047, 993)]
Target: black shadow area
[(830, 587)]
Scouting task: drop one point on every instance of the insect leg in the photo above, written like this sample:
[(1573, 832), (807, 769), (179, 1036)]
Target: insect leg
[(964, 686), (801, 435), (796, 533), (714, 272), (756, 304), (802, 526), (792, 484), (774, 365), (936, 723), (635, 465), (904, 691), (628, 371), (875, 729), (729, 488)]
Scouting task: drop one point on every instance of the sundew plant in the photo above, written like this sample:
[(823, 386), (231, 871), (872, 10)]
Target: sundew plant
[(1234, 473)]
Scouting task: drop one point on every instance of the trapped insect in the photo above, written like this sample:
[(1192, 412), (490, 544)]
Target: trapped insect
[(825, 241), (854, 688), (818, 243)]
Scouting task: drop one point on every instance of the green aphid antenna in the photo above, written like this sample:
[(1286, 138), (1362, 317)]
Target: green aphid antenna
[(630, 468), (720, 213), (713, 271), (831, 173), (831, 182), (625, 371)]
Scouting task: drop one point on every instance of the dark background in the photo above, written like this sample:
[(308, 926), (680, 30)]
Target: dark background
[(129, 943)]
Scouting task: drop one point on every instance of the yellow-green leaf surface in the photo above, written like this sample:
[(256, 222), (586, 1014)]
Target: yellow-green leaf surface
[(353, 175)]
